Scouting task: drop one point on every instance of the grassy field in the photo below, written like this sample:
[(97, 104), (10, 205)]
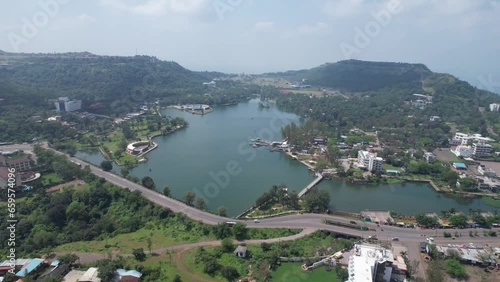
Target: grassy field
[(491, 202), (388, 166), (161, 236), (174, 233), (50, 179), (293, 272)]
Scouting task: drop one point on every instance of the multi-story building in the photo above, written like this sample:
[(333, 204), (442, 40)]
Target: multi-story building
[(374, 264), (21, 164), (369, 161), (481, 149), (64, 104), (375, 163), (363, 159)]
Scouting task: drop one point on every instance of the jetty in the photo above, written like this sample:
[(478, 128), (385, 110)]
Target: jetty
[(319, 177)]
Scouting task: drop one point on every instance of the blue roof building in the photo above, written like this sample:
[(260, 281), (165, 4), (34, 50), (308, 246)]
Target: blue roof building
[(29, 267), (459, 166)]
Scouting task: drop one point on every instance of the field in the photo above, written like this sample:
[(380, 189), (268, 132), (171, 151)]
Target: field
[(161, 236), (50, 179), (175, 233), (293, 272)]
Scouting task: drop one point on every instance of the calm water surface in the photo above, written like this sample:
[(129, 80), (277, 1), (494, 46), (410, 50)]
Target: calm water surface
[(212, 157)]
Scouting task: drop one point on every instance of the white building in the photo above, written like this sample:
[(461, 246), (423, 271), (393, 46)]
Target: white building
[(66, 105), (481, 149), (483, 170), (370, 264), (494, 107), (210, 84), (369, 161), (463, 138), (363, 158), (429, 157), (462, 151)]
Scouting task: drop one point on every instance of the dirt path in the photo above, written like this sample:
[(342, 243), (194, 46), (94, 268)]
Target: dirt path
[(92, 257)]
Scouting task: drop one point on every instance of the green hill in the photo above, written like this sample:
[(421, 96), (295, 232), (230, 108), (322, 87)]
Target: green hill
[(122, 81), (356, 76)]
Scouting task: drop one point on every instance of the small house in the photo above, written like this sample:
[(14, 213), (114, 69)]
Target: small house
[(241, 251)]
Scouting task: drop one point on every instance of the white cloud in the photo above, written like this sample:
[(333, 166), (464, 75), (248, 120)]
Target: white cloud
[(160, 7), (343, 8), (311, 29), (86, 19), (265, 26)]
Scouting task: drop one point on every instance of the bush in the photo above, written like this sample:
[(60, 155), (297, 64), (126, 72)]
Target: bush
[(455, 268), (447, 234)]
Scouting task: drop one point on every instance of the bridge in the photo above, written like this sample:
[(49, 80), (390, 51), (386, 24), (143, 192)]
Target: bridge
[(312, 184)]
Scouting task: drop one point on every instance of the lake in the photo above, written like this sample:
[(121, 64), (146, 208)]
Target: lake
[(212, 157)]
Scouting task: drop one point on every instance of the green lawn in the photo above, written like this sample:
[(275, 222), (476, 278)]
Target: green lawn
[(491, 202), (50, 179), (388, 166), (293, 272)]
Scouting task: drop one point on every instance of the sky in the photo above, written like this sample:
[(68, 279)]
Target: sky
[(461, 37)]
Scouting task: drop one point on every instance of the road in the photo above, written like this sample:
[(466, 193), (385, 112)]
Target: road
[(300, 221), (407, 236)]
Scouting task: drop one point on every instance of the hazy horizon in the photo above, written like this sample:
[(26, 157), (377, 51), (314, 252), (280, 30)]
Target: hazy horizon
[(249, 36)]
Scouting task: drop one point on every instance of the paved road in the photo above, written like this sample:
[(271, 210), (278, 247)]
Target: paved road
[(312, 221), (408, 236)]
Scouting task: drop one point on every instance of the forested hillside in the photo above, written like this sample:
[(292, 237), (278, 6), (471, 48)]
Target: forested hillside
[(108, 85), (380, 97)]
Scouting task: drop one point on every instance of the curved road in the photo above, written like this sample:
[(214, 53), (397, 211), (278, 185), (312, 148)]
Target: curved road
[(300, 221)]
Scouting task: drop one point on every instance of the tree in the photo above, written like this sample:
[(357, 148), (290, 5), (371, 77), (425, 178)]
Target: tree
[(265, 247), (459, 220), (68, 258), (148, 182), (455, 268), (106, 270), (222, 211), (221, 231), (211, 266), (240, 231), (229, 272), (106, 165), (189, 198), (150, 243), (125, 172), (227, 245), (435, 272), (317, 200), (425, 220), (177, 278), (166, 191), (200, 204), (139, 254)]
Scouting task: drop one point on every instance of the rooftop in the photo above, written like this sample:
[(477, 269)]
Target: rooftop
[(28, 267), (134, 273), (460, 165)]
